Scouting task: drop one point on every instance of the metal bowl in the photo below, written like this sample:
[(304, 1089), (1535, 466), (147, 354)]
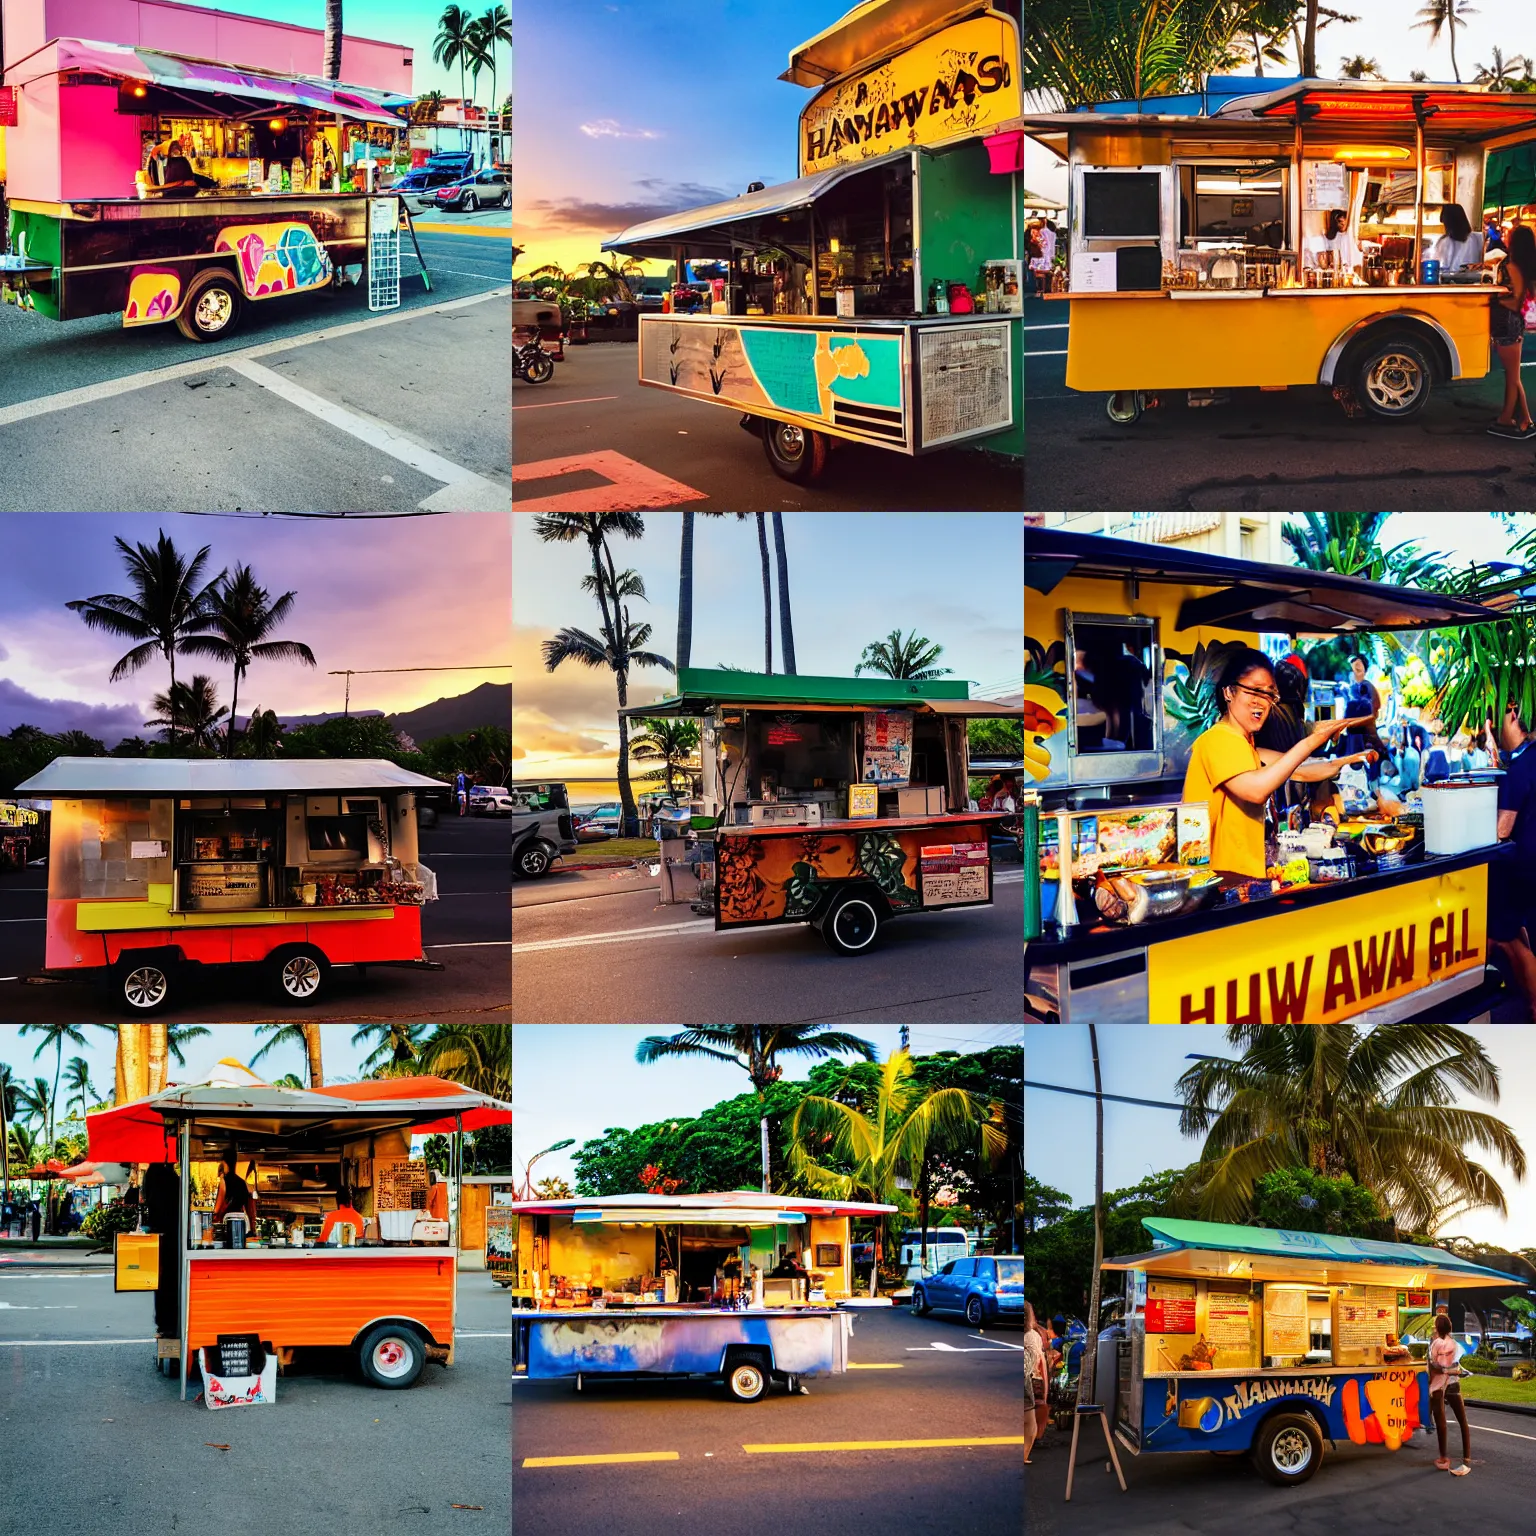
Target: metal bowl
[(1165, 890)]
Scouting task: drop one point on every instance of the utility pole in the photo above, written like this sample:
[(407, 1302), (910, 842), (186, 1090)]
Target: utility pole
[(349, 672), (1086, 1385), (906, 1038)]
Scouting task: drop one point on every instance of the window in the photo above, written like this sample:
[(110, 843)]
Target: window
[(1114, 684), (984, 1269), (949, 1268), (964, 1269), (1125, 203), (1010, 1274)]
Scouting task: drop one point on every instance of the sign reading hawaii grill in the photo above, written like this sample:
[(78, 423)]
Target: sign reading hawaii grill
[(1326, 962)]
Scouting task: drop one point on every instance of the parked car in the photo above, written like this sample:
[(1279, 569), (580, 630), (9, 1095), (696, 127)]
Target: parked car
[(488, 800), (482, 189), (422, 179), (541, 828), (983, 1289), (649, 303), (608, 819)]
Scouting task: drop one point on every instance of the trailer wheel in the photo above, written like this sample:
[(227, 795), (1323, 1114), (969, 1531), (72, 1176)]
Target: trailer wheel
[(212, 306), (1124, 407), (533, 861), (1287, 1449), (852, 924), (746, 1377), (392, 1356), (1393, 377), (145, 986), (796, 453), (299, 974)]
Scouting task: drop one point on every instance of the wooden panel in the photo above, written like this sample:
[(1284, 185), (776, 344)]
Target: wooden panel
[(318, 1301)]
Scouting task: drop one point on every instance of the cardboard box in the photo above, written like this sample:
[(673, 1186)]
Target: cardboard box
[(920, 800)]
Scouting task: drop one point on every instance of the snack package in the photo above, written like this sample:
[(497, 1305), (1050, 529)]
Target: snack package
[(1194, 833)]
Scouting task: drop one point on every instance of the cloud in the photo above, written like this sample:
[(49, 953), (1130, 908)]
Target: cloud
[(574, 213), (608, 128), (109, 723), (534, 731)]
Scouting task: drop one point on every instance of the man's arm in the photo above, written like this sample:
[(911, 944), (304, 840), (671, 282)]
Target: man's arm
[(1314, 769)]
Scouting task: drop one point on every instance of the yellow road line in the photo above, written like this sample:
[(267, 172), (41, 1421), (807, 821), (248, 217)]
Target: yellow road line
[(495, 232), (588, 1461), (896, 1367), (881, 1445)]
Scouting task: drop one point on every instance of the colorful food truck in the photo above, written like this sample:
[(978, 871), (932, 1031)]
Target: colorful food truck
[(840, 802), (294, 865), (878, 297), (738, 1288), (1251, 1340), (387, 1292)]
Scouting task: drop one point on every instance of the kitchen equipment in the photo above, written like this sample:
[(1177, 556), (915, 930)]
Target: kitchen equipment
[(235, 1229), (396, 1226), (1330, 864), (1429, 271), (1225, 271), (1460, 815)]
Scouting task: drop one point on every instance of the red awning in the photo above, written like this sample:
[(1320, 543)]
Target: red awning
[(377, 1089), (1466, 113), (131, 1133)]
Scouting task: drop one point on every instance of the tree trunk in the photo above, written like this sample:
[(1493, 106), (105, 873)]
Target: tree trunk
[(5, 1150), (763, 1128), (1086, 1386), (922, 1210), (685, 594), (158, 1055), (786, 628), (119, 1072), (1451, 28), (312, 1049), (333, 39), (135, 1060), (762, 545), (234, 704), (1309, 43), (53, 1102)]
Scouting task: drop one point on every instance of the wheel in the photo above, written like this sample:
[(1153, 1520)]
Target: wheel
[(506, 199), (852, 925), (145, 986), (1287, 1449), (392, 1356), (212, 306), (1392, 377), (471, 203), (299, 974), (919, 1302), (1124, 407), (746, 1378), (796, 453), (533, 861), (973, 1312), (540, 369)]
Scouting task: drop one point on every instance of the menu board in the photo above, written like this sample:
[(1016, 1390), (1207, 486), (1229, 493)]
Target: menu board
[(1286, 1330), (1227, 1320), (887, 746), (1363, 1316), (954, 872), (400, 1184), (1170, 1306)]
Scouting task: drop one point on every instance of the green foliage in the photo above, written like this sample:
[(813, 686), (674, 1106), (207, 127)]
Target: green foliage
[(902, 656), (1301, 1200), (104, 1221), (1190, 697), (343, 736), (553, 1189), (672, 743), (996, 738)]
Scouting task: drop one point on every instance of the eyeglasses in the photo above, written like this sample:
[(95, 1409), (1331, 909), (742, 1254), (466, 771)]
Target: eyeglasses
[(1258, 693)]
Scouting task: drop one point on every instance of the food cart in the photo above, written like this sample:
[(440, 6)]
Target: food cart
[(295, 865), (836, 801), (1246, 1339), (878, 297), (1404, 938), (737, 1287), (274, 208), (387, 1292), (1196, 260)]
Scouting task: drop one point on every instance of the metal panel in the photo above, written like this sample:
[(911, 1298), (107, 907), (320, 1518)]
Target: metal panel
[(965, 381), (188, 776)]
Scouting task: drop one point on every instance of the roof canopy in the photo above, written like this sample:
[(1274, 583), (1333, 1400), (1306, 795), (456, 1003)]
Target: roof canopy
[(1285, 598), (870, 31), (1467, 112), (731, 1207), (1218, 1250), (68, 776), (700, 689)]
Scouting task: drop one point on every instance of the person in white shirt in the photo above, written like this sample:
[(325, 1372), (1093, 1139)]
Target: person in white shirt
[(1335, 240), (1460, 245)]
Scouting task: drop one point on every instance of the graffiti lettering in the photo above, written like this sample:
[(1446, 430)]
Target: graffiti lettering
[(1247, 1394)]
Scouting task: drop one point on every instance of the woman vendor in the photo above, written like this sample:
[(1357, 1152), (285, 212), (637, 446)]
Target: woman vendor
[(1235, 777)]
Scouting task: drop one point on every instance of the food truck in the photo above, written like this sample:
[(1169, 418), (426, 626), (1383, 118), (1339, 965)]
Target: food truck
[(836, 801), (739, 1288), (386, 1292), (1384, 921), (1197, 256), (1248, 1339), (878, 297), (278, 201), (295, 865)]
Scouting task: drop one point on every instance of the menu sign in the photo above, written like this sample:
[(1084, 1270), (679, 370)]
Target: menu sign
[(1286, 1330), (887, 746), (1227, 1320), (1170, 1306), (1363, 1316), (954, 873), (400, 1184)]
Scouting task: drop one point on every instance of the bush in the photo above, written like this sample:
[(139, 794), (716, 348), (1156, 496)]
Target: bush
[(1479, 1365), (1525, 1370), (105, 1221)]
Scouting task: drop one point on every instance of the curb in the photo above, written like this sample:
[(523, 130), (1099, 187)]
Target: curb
[(495, 232), (1484, 1402)]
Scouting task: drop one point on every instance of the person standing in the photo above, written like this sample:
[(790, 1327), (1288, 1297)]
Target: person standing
[(1445, 1389), (461, 791), (1033, 1359), (1513, 890), (1507, 328)]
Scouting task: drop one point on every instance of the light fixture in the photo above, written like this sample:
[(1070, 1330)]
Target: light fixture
[(1372, 154), (139, 90), (832, 245), (278, 124)]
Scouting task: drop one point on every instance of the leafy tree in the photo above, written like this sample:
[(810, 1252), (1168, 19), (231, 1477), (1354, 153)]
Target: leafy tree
[(343, 736), (553, 1188), (996, 738), (189, 713), (305, 1036), (1303, 1200), (477, 1055), (454, 43), (672, 743), (903, 656), (1042, 1205), (55, 1035), (1360, 68), (396, 1046)]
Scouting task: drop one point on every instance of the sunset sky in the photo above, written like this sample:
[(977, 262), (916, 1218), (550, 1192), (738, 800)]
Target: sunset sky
[(853, 577), (412, 592)]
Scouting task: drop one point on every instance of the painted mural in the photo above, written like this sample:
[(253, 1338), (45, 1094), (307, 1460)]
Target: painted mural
[(803, 1345), (276, 258), (154, 294)]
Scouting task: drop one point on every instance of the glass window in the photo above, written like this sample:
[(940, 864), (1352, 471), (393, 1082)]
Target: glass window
[(1113, 686), (964, 1268)]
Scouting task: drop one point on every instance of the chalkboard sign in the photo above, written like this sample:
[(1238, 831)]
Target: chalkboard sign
[(400, 1184), (1122, 203), (239, 1354)]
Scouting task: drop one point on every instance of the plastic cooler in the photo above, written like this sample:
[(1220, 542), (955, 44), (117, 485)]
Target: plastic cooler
[(1458, 817)]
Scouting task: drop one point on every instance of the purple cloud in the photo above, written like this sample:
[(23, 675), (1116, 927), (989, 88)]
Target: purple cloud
[(109, 723)]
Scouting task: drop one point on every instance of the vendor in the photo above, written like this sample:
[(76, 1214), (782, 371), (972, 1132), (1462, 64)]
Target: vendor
[(1336, 242), (1234, 777), (1461, 245), (172, 171), (788, 1268), (345, 1212), (234, 1197), (1395, 1351)]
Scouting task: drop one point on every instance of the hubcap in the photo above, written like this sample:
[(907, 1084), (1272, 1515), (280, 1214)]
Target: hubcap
[(746, 1379), (1394, 382), (790, 440), (301, 977), (391, 1358), (855, 924), (1123, 407), (145, 987), (535, 863), (214, 308), (1291, 1450)]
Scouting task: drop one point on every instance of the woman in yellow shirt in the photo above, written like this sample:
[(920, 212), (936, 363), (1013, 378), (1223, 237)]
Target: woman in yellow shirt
[(1235, 777)]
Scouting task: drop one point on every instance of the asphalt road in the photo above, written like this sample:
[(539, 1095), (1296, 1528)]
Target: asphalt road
[(973, 1387), (312, 404), (598, 948), (594, 403), (467, 929), (94, 1442), (1262, 452), (1357, 1491)]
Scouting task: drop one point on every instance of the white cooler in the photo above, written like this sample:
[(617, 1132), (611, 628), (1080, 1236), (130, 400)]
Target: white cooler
[(1458, 817)]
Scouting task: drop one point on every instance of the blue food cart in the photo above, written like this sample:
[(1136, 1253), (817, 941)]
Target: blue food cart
[(739, 1288), (1266, 1342)]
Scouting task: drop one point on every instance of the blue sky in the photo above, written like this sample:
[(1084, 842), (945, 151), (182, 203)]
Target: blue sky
[(1144, 1061), (580, 1079)]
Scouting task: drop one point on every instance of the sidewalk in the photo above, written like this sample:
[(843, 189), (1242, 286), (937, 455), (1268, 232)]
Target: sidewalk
[(495, 222)]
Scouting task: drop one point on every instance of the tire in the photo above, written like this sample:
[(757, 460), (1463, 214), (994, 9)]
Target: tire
[(506, 199), (471, 203), (299, 975), (392, 1356), (973, 1312), (1124, 407), (145, 987), (852, 924), (920, 1307), (796, 453), (1392, 377), (212, 306), (533, 861), (746, 1378), (540, 369), (1287, 1449)]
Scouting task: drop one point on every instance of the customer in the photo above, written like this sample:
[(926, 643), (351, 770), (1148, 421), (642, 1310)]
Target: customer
[(234, 1198), (1032, 1361), (1410, 763), (1514, 882), (1049, 1360), (1437, 765), (461, 791), (1460, 245), (1040, 264), (1445, 1386), (1507, 327)]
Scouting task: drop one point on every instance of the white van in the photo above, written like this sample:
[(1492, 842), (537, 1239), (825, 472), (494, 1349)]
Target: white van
[(944, 1244)]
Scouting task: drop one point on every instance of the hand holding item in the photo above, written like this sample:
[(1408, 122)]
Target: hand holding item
[(1326, 730)]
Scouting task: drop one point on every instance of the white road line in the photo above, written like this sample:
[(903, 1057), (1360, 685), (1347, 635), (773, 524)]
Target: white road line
[(1489, 1429), (23, 919), (1029, 330), (64, 1343), (66, 399), (1001, 1343), (624, 936), (585, 400), (1062, 353), (463, 490), (506, 1335), (472, 944)]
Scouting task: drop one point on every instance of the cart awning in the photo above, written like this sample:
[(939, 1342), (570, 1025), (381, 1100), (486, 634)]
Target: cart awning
[(177, 73), (976, 709), (735, 1205), (477, 1109), (870, 29), (1468, 112), (700, 689), (68, 776)]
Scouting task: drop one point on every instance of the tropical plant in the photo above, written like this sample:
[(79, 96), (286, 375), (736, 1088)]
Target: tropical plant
[(1360, 68), (477, 1055), (1376, 1104), (1502, 73), (78, 744), (672, 743), (54, 1035), (79, 1087), (476, 54), (452, 44), (1445, 16), (177, 1036), (397, 1045), (103, 1222), (189, 713), (263, 735), (241, 616), (305, 1036), (552, 1188), (756, 1049), (904, 656), (427, 107), (1304, 1200), (168, 606)]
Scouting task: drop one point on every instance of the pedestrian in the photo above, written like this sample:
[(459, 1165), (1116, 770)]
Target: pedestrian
[(461, 791), (1513, 891), (1041, 264), (1445, 1387), (1508, 319), (1033, 1359), (1409, 763), (1050, 1359)]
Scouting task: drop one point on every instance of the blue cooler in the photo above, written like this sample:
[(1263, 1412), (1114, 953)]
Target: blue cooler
[(1429, 271)]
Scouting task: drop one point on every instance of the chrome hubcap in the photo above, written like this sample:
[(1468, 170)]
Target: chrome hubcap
[(1291, 1450), (301, 977), (214, 308), (1394, 382), (392, 1358), (790, 440), (746, 1379), (145, 987), (855, 924)]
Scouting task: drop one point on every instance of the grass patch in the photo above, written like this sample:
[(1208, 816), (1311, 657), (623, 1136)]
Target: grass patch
[(1498, 1389), (617, 850)]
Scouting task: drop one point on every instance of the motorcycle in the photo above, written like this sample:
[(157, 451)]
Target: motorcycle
[(530, 362)]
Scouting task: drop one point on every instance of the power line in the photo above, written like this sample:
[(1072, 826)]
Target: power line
[(1119, 1098), (350, 672)]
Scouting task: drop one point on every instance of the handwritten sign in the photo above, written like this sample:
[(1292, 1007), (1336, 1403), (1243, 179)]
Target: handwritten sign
[(1286, 1329), (400, 1184), (146, 850), (863, 802), (954, 873), (1227, 1320), (887, 746), (8, 117), (240, 1354), (1170, 1306)]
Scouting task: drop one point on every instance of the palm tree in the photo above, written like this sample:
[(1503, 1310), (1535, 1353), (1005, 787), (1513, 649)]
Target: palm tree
[(621, 642), (786, 629), (54, 1035), (77, 1080), (672, 743), (398, 1044), (451, 45), (333, 39), (1360, 68), (477, 1055), (242, 615), (1445, 16), (263, 733), (191, 710), (477, 54), (762, 546), (755, 1048), (169, 604), (428, 107), (305, 1036), (685, 595), (1376, 1104), (495, 27), (8, 1098), (866, 1155), (1502, 73), (78, 744), (911, 656)]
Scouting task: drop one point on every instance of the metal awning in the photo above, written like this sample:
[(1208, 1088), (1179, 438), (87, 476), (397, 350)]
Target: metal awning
[(1467, 112), (715, 226), (66, 777), (733, 1205), (976, 709), (869, 31), (701, 689)]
